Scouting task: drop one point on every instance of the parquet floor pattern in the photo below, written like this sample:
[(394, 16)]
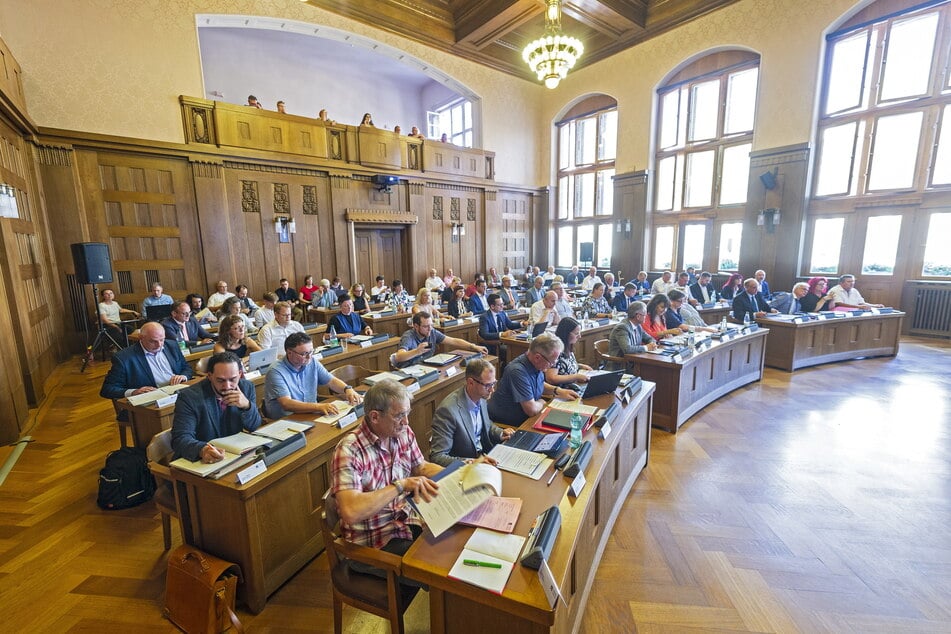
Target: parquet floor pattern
[(818, 501)]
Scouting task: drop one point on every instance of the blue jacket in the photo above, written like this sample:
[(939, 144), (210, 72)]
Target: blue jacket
[(199, 419), (130, 370)]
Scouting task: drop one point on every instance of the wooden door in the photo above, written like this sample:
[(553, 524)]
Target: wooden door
[(379, 252)]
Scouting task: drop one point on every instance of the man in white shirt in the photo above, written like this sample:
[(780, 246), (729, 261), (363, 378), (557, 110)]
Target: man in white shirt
[(549, 274), (562, 305), (544, 310), (218, 298), (265, 314), (847, 296), (592, 278), (273, 334), (434, 282), (662, 284)]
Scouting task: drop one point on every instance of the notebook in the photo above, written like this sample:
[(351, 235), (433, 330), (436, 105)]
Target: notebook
[(497, 554)]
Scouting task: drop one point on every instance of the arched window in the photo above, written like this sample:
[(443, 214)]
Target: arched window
[(587, 140), (704, 135)]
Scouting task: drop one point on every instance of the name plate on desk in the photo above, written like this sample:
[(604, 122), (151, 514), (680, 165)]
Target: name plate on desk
[(246, 475), (316, 357), (366, 344), (474, 319), (574, 489), (552, 592), (349, 419), (452, 370), (254, 375), (450, 322), (605, 431), (677, 358), (413, 387), (168, 400)]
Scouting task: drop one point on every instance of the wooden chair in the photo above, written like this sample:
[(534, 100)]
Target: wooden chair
[(601, 346), (385, 598), (349, 374), (124, 423), (159, 453)]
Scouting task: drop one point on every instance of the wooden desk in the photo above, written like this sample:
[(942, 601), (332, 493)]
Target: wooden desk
[(270, 526), (713, 315), (793, 346), (586, 526), (685, 388), (394, 325), (584, 348), (192, 358)]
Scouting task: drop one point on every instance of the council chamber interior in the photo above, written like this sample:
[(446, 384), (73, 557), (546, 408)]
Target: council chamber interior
[(724, 135)]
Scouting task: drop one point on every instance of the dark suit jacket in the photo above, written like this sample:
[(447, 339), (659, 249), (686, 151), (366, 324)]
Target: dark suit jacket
[(130, 370), (477, 305), (198, 418), (173, 331), (621, 301), (574, 278), (698, 294), (743, 306), (452, 430), (488, 328), (509, 297)]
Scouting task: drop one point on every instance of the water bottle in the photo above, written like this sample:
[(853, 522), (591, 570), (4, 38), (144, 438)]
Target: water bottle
[(746, 320), (528, 329), (574, 440), (183, 346), (332, 333), (723, 325)]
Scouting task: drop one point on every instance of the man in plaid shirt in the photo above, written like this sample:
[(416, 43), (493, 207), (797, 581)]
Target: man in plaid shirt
[(374, 468)]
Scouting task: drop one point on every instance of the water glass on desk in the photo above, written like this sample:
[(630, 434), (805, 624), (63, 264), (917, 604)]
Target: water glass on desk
[(574, 438)]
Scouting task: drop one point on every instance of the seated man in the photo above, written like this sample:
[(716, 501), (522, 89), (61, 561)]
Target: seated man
[(680, 312), (847, 296), (419, 342), (155, 298), (478, 303), (218, 298), (110, 316), (265, 314), (248, 307), (760, 277), (461, 427), (751, 302), (702, 291), (494, 321), (536, 293), (549, 274), (273, 334), (562, 304), (348, 323), (574, 277), (545, 310), (323, 297), (220, 405), (788, 303), (610, 287), (434, 282), (493, 278), (643, 286), (628, 337), (519, 393), (508, 294), (379, 292), (290, 295), (400, 296), (591, 279), (370, 485), (181, 326), (471, 289), (291, 384), (663, 284), (152, 363), (623, 300)]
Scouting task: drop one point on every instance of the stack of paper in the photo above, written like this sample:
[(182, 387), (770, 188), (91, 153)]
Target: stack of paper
[(527, 463), (461, 489), (283, 429)]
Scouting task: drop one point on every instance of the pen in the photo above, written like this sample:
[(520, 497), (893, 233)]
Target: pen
[(552, 478), (480, 564)]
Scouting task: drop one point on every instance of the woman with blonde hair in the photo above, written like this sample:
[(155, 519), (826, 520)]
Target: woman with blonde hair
[(424, 304)]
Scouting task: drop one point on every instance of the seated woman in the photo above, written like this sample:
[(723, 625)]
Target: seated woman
[(816, 299), (232, 306), (457, 305), (358, 296), (684, 316), (233, 337), (347, 323), (655, 324), (566, 369), (596, 304), (110, 315), (308, 289), (424, 303), (733, 287), (199, 310)]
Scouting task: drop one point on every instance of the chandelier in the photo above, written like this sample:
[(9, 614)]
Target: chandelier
[(554, 54)]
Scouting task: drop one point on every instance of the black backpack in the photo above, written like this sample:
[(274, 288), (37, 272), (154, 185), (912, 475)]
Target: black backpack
[(125, 481)]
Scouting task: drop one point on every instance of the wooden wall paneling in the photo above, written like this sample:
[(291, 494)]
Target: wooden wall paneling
[(416, 238), (13, 399), (630, 203), (517, 209), (342, 197), (247, 258), (492, 226), (221, 231)]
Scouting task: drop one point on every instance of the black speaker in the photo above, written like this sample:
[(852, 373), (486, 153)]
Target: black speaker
[(92, 261), (586, 252)]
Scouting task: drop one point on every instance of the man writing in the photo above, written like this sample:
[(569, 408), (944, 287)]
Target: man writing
[(291, 384), (152, 363), (419, 342), (461, 428), (628, 337), (220, 405)]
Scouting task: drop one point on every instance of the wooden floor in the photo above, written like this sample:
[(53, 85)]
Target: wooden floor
[(818, 501)]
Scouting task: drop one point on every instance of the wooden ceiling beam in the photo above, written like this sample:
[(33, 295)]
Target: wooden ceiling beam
[(634, 11), (482, 23)]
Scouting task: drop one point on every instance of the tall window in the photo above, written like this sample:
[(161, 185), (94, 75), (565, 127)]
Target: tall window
[(937, 257), (704, 135), (587, 140), (453, 120)]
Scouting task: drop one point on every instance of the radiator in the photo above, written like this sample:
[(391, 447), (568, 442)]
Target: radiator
[(932, 311)]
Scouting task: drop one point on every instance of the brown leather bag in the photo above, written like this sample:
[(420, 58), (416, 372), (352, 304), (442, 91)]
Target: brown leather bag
[(200, 591)]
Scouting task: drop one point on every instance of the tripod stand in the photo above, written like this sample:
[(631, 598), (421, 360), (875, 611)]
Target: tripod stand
[(103, 336)]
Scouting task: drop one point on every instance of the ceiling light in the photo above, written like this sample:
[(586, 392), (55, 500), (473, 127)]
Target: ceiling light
[(554, 54)]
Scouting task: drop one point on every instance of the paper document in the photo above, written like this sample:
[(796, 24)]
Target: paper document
[(146, 398), (573, 406), (487, 560), (343, 408), (461, 489), (240, 443), (497, 514), (376, 378), (527, 463), (202, 469), (283, 429)]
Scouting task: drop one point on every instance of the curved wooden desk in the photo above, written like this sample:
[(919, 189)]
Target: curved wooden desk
[(587, 522), (799, 345)]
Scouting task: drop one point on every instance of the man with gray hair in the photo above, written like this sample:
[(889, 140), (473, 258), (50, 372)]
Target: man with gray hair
[(628, 337), (847, 296), (788, 303), (374, 468), (544, 310), (462, 429), (519, 393)]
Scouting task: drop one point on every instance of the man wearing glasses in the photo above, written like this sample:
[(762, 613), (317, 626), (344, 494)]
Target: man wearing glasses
[(518, 395), (290, 386), (420, 342), (273, 334), (373, 470), (461, 426), (628, 337), (181, 326)]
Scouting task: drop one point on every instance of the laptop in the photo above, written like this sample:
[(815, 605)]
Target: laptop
[(602, 384), (158, 313), (539, 328), (262, 359)]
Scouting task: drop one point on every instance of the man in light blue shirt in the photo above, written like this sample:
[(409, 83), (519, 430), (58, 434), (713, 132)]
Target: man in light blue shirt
[(156, 297), (290, 386)]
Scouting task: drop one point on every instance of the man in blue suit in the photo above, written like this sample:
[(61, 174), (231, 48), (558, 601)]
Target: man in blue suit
[(494, 322), (750, 302), (461, 426), (142, 367), (221, 405), (477, 301), (181, 326)]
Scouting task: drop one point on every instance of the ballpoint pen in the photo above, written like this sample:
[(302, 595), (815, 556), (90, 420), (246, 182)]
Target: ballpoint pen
[(480, 564)]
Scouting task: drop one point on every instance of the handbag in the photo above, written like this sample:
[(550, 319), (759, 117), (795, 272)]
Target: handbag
[(200, 592)]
